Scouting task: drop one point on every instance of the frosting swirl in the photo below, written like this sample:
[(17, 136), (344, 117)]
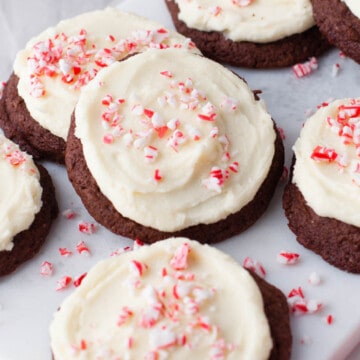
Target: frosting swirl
[(327, 167), (20, 192), (56, 64), (174, 139), (173, 299), (258, 21)]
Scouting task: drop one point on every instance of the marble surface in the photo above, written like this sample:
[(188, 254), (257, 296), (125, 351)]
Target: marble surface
[(20, 20)]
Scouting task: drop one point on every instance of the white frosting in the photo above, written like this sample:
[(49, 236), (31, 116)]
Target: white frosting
[(144, 303), (203, 169), (78, 55), (20, 192), (260, 21), (354, 6), (331, 187)]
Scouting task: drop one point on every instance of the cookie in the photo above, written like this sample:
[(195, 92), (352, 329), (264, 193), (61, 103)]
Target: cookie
[(50, 72), (171, 298), (172, 143), (28, 206), (339, 21), (238, 34), (321, 199)]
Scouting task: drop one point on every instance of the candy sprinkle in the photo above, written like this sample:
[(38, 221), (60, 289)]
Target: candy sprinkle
[(255, 266), (46, 269), (288, 258), (63, 283), (305, 68), (87, 228)]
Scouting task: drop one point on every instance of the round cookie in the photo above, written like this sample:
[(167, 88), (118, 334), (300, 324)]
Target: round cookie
[(50, 71), (27, 207), (254, 35), (321, 200), (167, 300), (339, 21), (172, 143)]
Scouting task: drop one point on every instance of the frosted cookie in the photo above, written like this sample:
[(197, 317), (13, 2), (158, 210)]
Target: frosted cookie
[(27, 206), (49, 73), (339, 21), (322, 200), (256, 34), (174, 299), (169, 142)]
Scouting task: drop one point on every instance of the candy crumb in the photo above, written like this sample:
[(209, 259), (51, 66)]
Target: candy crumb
[(329, 319), (63, 283), (87, 227), (314, 279), (288, 258), (46, 268), (69, 214), (255, 266)]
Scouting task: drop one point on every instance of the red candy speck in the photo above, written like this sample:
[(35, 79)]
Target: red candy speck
[(87, 228), (46, 269), (63, 283), (78, 281)]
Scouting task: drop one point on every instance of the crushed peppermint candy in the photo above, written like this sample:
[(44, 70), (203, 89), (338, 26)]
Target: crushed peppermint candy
[(255, 266), (288, 258), (69, 214), (87, 227), (314, 279), (346, 125), (46, 268), (242, 3), (178, 297), (76, 60), (300, 305), (65, 252), (82, 248), (77, 282), (305, 68), (157, 134), (63, 283)]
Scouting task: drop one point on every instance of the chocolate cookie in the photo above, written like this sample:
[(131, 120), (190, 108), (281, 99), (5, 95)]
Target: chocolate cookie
[(321, 198), (104, 212), (178, 295), (177, 159), (339, 25), (28, 242), (281, 53), (336, 242), (19, 126), (277, 312)]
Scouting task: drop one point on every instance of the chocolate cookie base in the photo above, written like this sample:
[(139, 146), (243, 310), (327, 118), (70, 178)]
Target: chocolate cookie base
[(28, 242), (336, 242), (21, 128), (277, 312), (340, 26), (104, 212), (285, 52)]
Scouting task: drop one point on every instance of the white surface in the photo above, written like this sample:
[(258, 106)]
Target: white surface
[(27, 301)]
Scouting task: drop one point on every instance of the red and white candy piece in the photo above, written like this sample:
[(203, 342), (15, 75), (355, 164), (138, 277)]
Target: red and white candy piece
[(46, 269), (63, 283), (288, 258), (305, 68), (82, 248), (255, 266), (87, 227)]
